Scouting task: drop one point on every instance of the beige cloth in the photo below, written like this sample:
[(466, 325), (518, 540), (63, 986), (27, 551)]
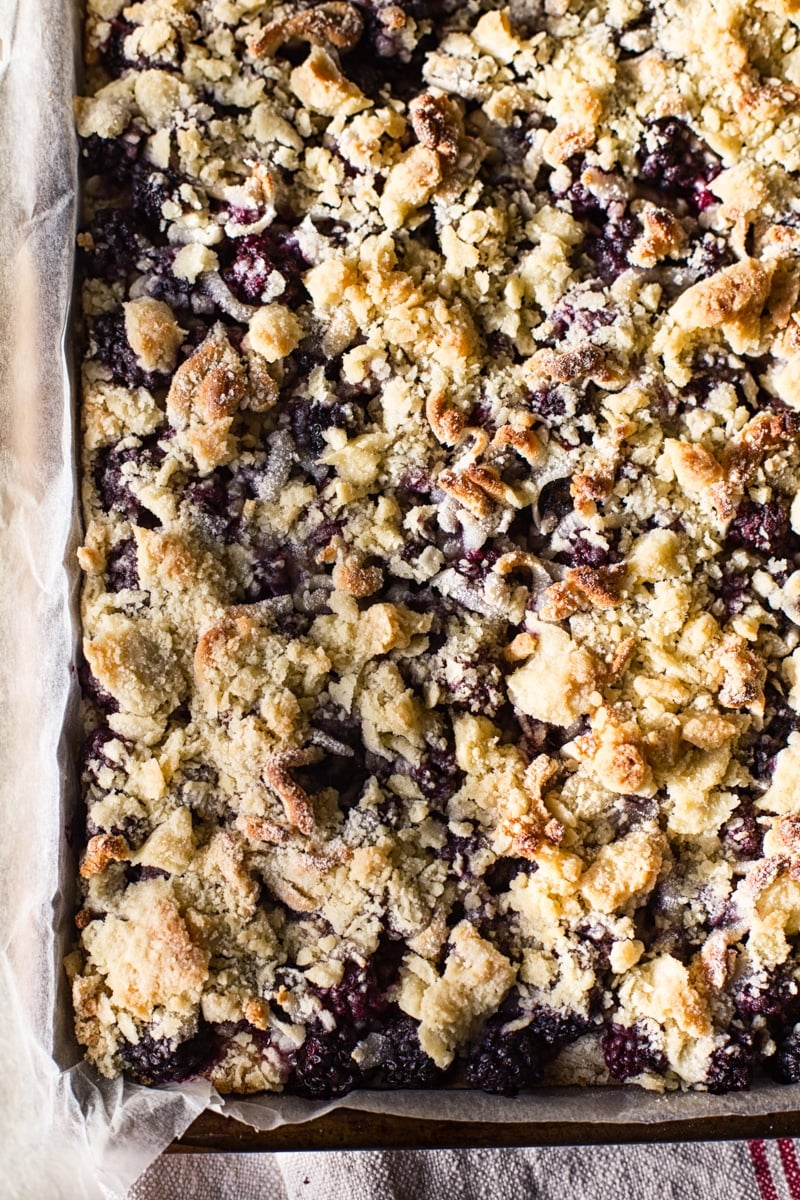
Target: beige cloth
[(706, 1171)]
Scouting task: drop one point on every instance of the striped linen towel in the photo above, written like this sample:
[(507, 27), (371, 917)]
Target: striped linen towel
[(755, 1170)]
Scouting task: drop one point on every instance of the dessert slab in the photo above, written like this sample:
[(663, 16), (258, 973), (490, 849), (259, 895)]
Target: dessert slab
[(440, 604)]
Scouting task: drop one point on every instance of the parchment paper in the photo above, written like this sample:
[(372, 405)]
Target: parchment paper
[(64, 1131)]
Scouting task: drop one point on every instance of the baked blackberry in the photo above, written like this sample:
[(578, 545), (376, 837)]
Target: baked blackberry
[(404, 1063), (730, 1068), (324, 1067), (506, 1060), (628, 1051), (785, 1065), (166, 1060)]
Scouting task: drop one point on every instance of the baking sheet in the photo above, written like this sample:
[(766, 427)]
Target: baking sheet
[(100, 1135)]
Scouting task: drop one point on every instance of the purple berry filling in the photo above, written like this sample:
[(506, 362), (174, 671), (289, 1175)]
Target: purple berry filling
[(121, 567), (114, 232), (255, 257), (112, 481), (405, 1064), (785, 1066), (677, 164), (438, 777), (112, 348), (569, 315), (505, 1061), (344, 768), (775, 995), (730, 1068), (163, 1060), (360, 997), (548, 403), (95, 691), (92, 756), (112, 52), (734, 592), (742, 834), (608, 250), (583, 553), (499, 875), (218, 500), (761, 527), (324, 1067), (779, 722), (628, 1051), (136, 873), (151, 190)]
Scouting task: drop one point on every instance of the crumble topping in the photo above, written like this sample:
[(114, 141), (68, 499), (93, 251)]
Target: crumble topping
[(441, 600)]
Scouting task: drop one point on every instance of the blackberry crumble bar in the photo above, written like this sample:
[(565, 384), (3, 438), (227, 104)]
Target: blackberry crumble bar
[(441, 451)]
